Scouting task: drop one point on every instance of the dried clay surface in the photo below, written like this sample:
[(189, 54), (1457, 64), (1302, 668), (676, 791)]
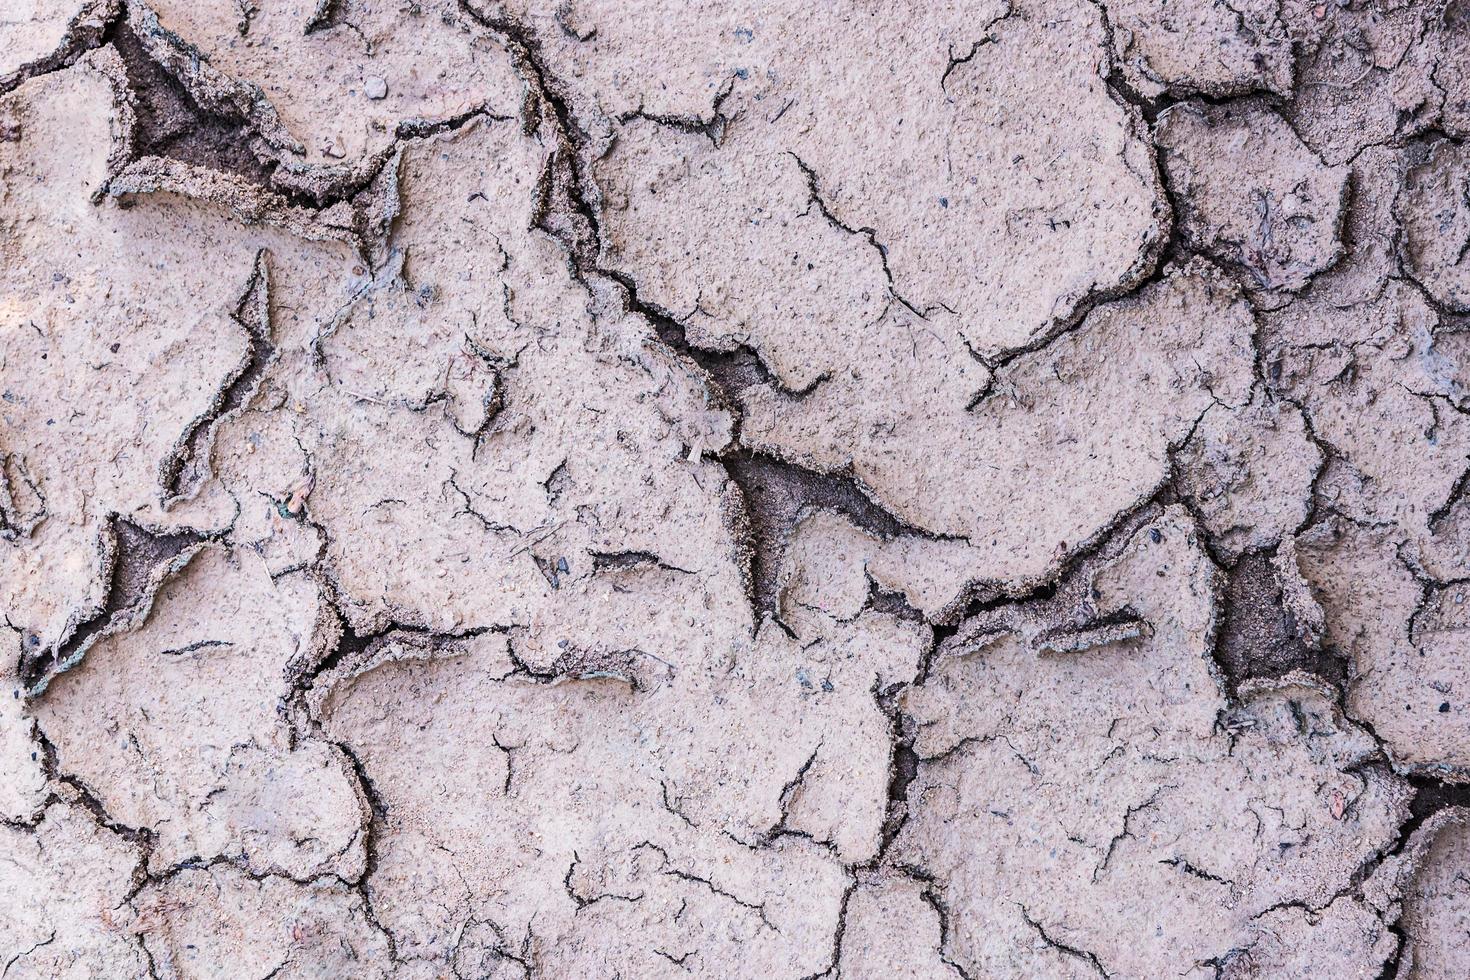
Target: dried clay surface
[(778, 490)]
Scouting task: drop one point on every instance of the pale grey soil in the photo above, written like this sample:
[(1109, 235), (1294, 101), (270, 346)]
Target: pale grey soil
[(773, 490)]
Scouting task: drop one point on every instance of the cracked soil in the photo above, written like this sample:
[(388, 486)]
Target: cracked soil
[(779, 490)]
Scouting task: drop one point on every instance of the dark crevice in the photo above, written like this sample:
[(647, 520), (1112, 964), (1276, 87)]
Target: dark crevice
[(133, 560), (1152, 107), (732, 371), (351, 645), (1162, 257), (170, 123), (87, 31), (603, 561), (142, 838), (903, 767), (895, 604), (328, 14), (1430, 797), (1390, 969), (22, 502), (562, 210), (867, 232), (931, 897), (1085, 956), (1064, 599), (778, 494), (1258, 638), (986, 38), (834, 965)]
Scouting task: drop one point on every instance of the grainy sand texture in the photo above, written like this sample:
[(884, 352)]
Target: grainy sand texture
[(774, 489)]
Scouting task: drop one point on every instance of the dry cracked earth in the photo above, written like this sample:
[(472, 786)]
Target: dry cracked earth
[(745, 489)]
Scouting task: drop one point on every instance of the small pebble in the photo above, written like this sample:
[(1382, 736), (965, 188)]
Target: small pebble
[(375, 88)]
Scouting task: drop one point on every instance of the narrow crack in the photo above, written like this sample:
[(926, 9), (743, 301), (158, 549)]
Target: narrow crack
[(188, 465)]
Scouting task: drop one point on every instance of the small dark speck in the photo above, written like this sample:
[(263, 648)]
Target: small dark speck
[(1155, 535), (944, 202), (1444, 707), (33, 757), (744, 35), (741, 74), (561, 565), (114, 347)]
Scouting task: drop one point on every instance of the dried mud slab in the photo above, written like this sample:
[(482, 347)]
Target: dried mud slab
[(1165, 358), (681, 843), (205, 764), (1436, 224), (1251, 194), (67, 879), (329, 85), (1437, 906), (824, 490), (1201, 48), (111, 367), (1373, 74), (1382, 382), (541, 454), (1083, 772), (1040, 182), (190, 919)]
